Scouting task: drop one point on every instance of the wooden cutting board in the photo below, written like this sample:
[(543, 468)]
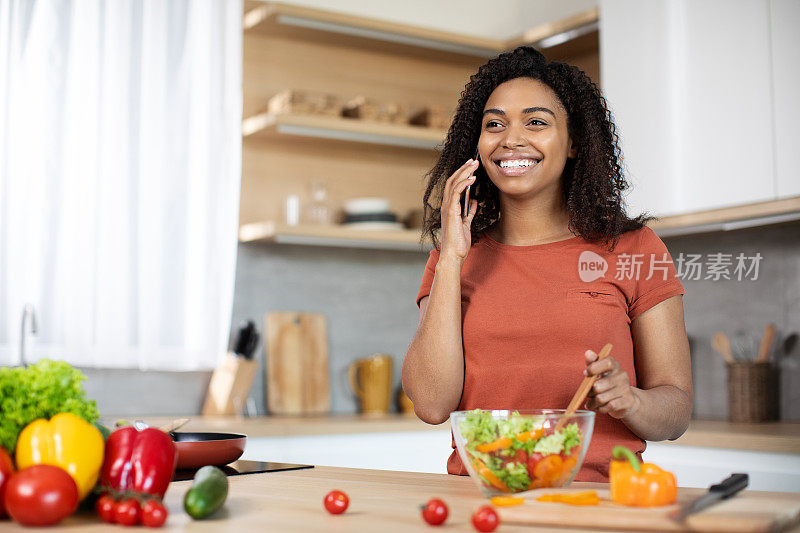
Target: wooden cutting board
[(297, 363), (748, 511)]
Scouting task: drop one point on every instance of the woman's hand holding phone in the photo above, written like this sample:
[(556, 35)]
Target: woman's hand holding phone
[(456, 233)]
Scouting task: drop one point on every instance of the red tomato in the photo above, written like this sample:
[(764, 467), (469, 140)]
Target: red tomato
[(127, 512), (521, 456), (40, 495), (533, 460), (435, 512), (336, 502), (105, 507), (6, 471), (485, 519), (154, 514)]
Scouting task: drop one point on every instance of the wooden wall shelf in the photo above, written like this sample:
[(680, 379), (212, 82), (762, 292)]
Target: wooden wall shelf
[(558, 32), (729, 218), (348, 129), (339, 236), (272, 17)]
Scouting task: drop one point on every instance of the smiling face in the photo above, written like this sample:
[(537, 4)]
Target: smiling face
[(524, 142)]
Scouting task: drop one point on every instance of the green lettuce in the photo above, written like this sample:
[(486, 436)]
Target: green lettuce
[(515, 476), (572, 437), (481, 427), (560, 441), (517, 423), (478, 428), (41, 390)]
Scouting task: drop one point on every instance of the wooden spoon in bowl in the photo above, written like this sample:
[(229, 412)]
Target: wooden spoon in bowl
[(583, 391)]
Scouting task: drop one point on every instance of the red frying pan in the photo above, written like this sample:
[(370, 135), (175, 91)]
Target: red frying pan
[(200, 449)]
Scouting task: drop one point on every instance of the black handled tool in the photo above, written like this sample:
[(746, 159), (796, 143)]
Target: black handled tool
[(721, 491)]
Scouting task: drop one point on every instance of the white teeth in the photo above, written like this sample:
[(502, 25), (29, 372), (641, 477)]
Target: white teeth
[(517, 163)]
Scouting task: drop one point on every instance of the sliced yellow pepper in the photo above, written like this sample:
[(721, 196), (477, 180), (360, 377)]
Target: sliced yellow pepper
[(506, 501), (587, 497), (66, 441)]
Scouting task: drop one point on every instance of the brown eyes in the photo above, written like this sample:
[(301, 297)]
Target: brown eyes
[(535, 122)]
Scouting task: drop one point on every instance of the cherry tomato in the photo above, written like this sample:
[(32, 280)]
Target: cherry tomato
[(533, 460), (41, 495), (485, 519), (6, 471), (127, 512), (435, 512), (521, 456), (105, 507), (154, 514), (336, 502)]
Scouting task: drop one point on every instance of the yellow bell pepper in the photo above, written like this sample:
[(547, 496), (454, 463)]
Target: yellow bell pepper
[(66, 441), (640, 484)]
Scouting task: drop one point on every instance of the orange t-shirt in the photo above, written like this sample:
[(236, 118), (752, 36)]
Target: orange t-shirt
[(529, 314)]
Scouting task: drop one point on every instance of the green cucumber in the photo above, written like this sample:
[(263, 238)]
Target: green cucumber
[(208, 492)]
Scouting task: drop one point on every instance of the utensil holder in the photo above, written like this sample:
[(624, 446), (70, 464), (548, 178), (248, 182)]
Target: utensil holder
[(230, 385), (752, 392)]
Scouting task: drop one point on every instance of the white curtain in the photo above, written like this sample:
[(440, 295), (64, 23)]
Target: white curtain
[(120, 164)]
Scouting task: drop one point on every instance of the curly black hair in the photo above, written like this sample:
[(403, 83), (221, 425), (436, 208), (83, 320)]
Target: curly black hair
[(593, 181)]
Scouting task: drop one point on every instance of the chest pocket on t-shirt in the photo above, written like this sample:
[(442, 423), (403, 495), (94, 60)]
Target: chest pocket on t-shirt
[(588, 294)]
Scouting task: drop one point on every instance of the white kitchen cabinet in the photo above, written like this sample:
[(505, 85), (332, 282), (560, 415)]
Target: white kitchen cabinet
[(785, 20), (690, 86), (694, 466), (407, 451)]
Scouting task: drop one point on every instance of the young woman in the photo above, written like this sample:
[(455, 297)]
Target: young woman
[(544, 268)]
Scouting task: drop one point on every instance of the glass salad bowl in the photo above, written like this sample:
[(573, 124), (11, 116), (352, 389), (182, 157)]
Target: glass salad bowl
[(513, 451)]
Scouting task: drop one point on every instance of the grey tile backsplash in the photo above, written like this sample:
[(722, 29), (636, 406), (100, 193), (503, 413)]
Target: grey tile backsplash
[(741, 308), (366, 295), (368, 298)]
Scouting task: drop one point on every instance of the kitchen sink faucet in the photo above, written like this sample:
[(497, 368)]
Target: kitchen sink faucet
[(28, 312)]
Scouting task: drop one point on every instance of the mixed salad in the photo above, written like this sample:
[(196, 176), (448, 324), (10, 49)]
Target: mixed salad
[(521, 452)]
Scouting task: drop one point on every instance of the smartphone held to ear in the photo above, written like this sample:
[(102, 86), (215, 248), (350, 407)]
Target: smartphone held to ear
[(465, 211)]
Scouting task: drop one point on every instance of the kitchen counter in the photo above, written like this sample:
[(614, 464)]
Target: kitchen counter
[(292, 501), (776, 437)]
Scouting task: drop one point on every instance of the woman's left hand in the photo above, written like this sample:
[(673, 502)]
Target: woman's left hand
[(612, 392)]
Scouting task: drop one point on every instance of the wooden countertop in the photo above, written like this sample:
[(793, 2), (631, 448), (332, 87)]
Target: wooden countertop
[(292, 501), (776, 437), (277, 426)]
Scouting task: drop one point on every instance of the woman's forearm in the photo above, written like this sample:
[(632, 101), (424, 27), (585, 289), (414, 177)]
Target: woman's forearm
[(660, 413), (433, 368)]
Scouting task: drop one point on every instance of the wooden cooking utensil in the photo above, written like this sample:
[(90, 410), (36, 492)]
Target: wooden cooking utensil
[(583, 391), (175, 425), (722, 345), (766, 342)]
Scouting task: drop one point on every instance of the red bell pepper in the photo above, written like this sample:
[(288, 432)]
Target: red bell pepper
[(141, 462)]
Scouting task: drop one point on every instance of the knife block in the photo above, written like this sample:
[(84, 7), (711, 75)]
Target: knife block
[(230, 384)]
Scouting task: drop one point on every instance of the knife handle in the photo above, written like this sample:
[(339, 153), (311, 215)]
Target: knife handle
[(733, 484)]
